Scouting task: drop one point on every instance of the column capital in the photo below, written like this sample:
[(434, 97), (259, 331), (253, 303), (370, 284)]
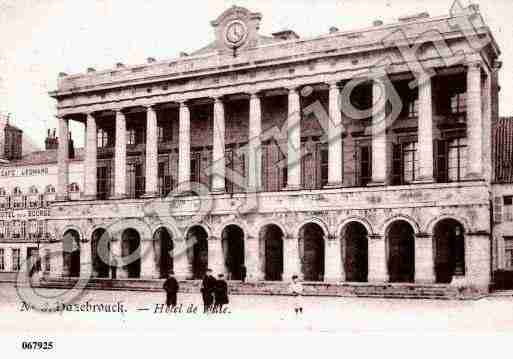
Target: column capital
[(255, 94), (334, 84), (218, 99), (183, 103), (474, 65), (292, 89), (150, 106)]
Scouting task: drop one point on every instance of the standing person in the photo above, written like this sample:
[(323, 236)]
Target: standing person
[(207, 290), (221, 292), (171, 287), (296, 289), (243, 273), (114, 268)]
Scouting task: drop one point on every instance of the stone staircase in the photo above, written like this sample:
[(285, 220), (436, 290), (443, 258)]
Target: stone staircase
[(386, 290)]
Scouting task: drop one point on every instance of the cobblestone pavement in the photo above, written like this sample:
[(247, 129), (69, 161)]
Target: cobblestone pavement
[(267, 313)]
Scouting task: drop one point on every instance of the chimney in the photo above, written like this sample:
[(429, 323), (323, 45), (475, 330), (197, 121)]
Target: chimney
[(91, 69), (151, 60), (51, 141), (120, 65), (377, 23), (183, 54), (286, 35), (414, 17), (333, 29)]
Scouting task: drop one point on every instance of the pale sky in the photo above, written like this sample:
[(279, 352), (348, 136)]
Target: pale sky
[(40, 38)]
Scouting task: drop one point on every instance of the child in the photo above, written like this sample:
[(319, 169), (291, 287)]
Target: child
[(296, 289)]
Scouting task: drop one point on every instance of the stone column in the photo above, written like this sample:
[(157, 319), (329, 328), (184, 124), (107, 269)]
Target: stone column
[(291, 260), (56, 260), (218, 165), (152, 153), (91, 158), (333, 253), (184, 151), (477, 260), (181, 265), (120, 157), (86, 262), (294, 141), (379, 137), (425, 143), (474, 122), (216, 256), (335, 129), (255, 145), (252, 260), (377, 259), (149, 268), (115, 257), (424, 259), (63, 161)]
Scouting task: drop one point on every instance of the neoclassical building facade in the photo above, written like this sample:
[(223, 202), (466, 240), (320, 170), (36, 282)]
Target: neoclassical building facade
[(354, 156)]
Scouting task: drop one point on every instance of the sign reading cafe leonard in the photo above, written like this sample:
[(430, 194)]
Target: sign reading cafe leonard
[(38, 213), (24, 172)]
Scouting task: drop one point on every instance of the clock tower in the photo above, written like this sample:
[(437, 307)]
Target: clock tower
[(236, 29)]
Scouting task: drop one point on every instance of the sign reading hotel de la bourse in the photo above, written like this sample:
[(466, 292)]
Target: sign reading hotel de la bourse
[(24, 172)]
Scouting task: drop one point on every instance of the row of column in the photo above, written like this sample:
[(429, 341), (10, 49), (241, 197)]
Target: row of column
[(380, 150)]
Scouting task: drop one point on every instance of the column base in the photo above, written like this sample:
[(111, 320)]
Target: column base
[(293, 188), (474, 177), (424, 181), (118, 196), (150, 195), (376, 184), (218, 191), (88, 197), (334, 185)]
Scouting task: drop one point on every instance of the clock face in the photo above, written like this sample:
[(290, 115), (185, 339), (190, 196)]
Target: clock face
[(236, 32)]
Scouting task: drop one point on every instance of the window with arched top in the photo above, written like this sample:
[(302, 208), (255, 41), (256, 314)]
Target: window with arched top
[(33, 190), (50, 189), (17, 191), (73, 188)]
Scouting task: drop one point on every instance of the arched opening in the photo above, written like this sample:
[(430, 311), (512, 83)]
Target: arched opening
[(355, 246), (311, 252), (449, 243), (71, 253), (401, 252), (100, 253), (131, 253), (233, 249), (163, 249), (197, 251), (271, 248)]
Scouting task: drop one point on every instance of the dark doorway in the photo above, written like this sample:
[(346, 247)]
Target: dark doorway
[(100, 253), (311, 247), (233, 249), (198, 251), (131, 253), (271, 236), (163, 247), (71, 253), (356, 246), (449, 245), (33, 261), (401, 252)]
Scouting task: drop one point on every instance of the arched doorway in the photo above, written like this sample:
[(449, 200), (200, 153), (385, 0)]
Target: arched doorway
[(401, 252), (163, 248), (197, 251), (131, 253), (100, 253), (71, 253), (233, 249), (449, 243), (311, 252), (271, 249), (355, 246)]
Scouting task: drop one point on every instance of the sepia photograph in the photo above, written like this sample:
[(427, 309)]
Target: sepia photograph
[(221, 178)]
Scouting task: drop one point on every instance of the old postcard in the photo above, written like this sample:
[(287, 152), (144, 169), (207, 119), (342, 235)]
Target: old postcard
[(212, 170)]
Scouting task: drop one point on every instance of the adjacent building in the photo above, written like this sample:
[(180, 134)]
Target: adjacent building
[(299, 167)]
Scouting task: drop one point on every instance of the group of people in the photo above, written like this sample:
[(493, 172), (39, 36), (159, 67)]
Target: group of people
[(214, 292)]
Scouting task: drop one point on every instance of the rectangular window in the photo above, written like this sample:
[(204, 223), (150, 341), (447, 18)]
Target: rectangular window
[(131, 136), (47, 261), (413, 108), (103, 138), (2, 260), (16, 266), (102, 183), (160, 134), (508, 209), (411, 170), (457, 159), (508, 247), (164, 179), (324, 164), (459, 103), (364, 173)]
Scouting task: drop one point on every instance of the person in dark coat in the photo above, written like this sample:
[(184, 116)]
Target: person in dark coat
[(243, 273), (171, 287), (114, 268), (207, 290), (221, 292)]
